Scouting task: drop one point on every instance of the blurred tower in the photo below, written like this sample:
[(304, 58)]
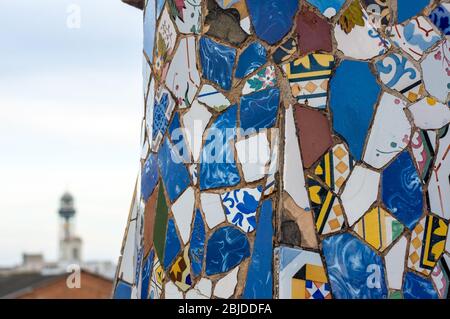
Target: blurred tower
[(69, 243)]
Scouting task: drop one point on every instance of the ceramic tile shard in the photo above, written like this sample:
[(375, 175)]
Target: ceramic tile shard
[(187, 15), (285, 51), (182, 77), (224, 23), (156, 280), (183, 211), (355, 271), (241, 7), (406, 11), (240, 207), (197, 244), (314, 33), (356, 37), (314, 134), (328, 8), (149, 221), (212, 98), (417, 287), (297, 226), (166, 37), (195, 122), (162, 112), (225, 287), (212, 208), (272, 19), (173, 246), (399, 74), (202, 290), (430, 114), (354, 92), (378, 12), (395, 263), (149, 176), (149, 28), (436, 72), (159, 231), (440, 277), (259, 110), (251, 59), (440, 17), (263, 79), (414, 37), (302, 275), (390, 132), (360, 192), (178, 137), (180, 272), (439, 184), (378, 228), (172, 292), (423, 152), (308, 77)]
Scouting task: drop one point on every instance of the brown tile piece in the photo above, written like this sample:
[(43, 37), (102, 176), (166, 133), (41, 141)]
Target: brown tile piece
[(314, 134), (314, 33), (306, 229), (149, 221)]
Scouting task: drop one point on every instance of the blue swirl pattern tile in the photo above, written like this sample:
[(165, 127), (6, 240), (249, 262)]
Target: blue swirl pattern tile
[(416, 287), (178, 139), (217, 164), (355, 270), (173, 246), (227, 248), (272, 19), (174, 173), (197, 246), (441, 18), (402, 190), (259, 277), (149, 176), (354, 92), (217, 62), (259, 110), (252, 58)]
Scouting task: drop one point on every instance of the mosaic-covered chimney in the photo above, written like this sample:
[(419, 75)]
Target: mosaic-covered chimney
[(291, 149)]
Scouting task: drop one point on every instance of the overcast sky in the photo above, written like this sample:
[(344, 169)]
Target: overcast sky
[(70, 108)]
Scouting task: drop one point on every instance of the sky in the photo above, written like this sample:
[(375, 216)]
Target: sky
[(70, 110)]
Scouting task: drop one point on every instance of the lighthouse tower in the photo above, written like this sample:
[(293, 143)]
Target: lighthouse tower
[(69, 243)]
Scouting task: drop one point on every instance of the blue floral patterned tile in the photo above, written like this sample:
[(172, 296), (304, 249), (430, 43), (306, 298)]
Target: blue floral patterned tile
[(273, 19), (197, 244), (259, 277), (402, 190), (252, 58), (122, 291), (178, 139), (328, 8), (173, 246), (355, 270), (173, 172), (259, 110), (162, 112), (227, 248), (240, 207), (149, 29), (217, 164), (416, 287), (217, 62), (441, 18), (149, 176), (354, 92), (406, 10), (146, 273)]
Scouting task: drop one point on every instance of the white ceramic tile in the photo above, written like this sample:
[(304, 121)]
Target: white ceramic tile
[(362, 43), (225, 287), (213, 98), (193, 170), (172, 292), (390, 132), (430, 114), (195, 122), (183, 210), (149, 110), (190, 19), (294, 179), (212, 208), (436, 72), (202, 290), (127, 266), (182, 77), (395, 264), (253, 154), (166, 37), (360, 192)]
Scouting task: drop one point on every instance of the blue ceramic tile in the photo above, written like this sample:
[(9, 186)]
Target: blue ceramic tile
[(149, 176), (146, 273), (149, 29), (174, 173), (402, 190), (217, 164), (217, 62), (251, 59), (259, 110), (162, 110), (416, 287), (227, 248), (123, 291), (272, 19), (441, 18), (259, 277), (159, 6), (178, 139), (354, 92), (173, 246), (328, 8), (407, 10), (138, 269), (197, 246), (355, 271)]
